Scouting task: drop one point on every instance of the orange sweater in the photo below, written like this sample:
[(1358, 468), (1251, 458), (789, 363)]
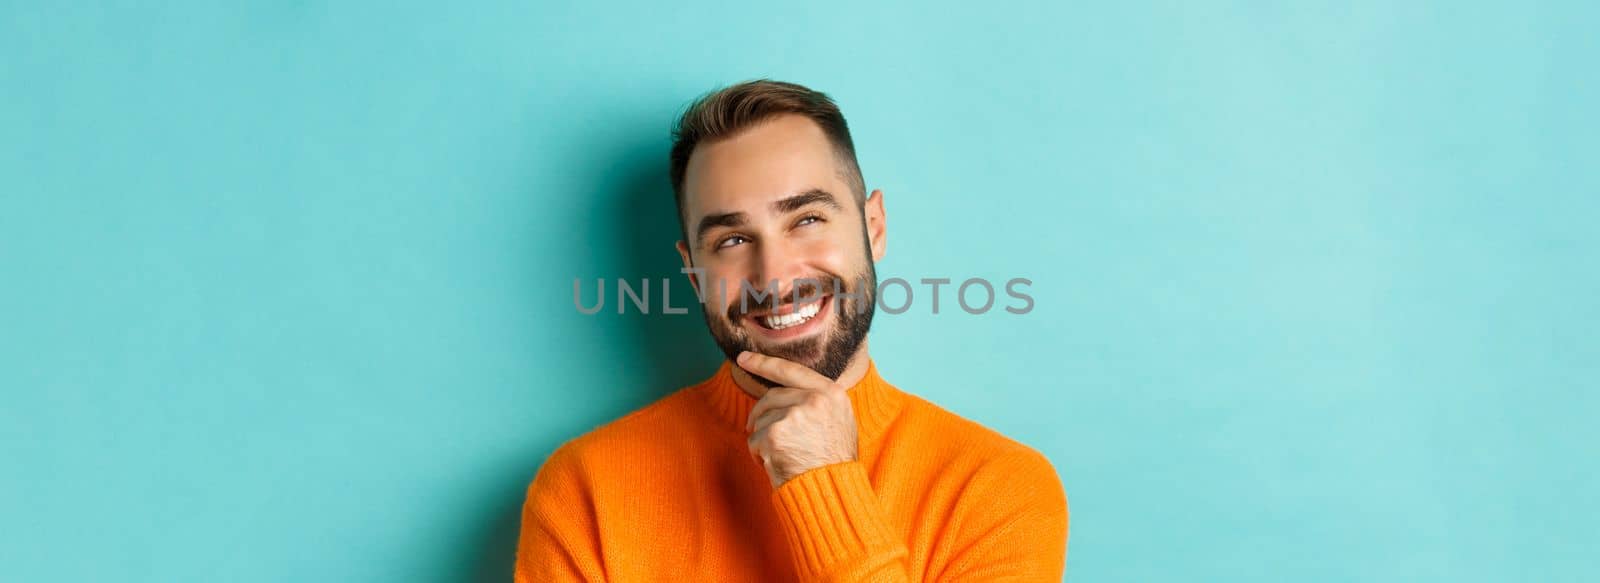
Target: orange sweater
[(671, 493)]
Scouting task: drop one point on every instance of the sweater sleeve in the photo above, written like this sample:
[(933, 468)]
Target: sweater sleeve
[(836, 527), (1012, 526), (558, 542)]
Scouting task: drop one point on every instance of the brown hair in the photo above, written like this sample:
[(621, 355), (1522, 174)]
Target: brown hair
[(727, 111)]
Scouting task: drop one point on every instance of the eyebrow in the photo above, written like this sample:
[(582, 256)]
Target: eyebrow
[(787, 205), (713, 221), (809, 197)]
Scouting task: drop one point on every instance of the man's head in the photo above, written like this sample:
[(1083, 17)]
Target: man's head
[(769, 190)]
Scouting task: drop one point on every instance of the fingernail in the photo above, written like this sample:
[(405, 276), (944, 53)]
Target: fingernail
[(743, 356)]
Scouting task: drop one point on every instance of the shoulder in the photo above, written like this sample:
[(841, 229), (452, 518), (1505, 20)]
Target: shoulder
[(1002, 500), (966, 444), (995, 479), (960, 434), (618, 444)]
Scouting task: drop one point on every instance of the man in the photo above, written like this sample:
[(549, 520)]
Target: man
[(795, 461)]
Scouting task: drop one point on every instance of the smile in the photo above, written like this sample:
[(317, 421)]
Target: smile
[(790, 320), (800, 316)]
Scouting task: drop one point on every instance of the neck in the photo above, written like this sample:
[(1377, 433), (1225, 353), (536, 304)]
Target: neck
[(852, 374)]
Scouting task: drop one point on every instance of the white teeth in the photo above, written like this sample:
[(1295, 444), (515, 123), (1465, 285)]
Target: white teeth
[(798, 317)]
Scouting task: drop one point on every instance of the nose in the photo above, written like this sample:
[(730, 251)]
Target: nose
[(779, 261)]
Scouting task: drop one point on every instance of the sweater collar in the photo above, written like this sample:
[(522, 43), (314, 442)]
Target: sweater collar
[(874, 400)]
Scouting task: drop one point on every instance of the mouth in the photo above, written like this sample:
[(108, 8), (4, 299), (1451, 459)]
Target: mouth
[(791, 320)]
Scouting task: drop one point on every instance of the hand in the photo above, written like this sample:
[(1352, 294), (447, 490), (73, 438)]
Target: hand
[(806, 422)]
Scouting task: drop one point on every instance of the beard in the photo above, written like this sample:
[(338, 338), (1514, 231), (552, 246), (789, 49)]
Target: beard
[(827, 353)]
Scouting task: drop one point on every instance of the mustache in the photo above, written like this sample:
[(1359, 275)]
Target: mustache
[(807, 289)]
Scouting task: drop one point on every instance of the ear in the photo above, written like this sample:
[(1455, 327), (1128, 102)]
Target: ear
[(683, 252), (877, 224)]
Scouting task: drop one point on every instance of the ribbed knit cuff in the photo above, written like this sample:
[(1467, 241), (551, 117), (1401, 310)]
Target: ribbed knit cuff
[(831, 515)]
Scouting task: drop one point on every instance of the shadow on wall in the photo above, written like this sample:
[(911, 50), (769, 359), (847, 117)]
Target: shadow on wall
[(634, 196)]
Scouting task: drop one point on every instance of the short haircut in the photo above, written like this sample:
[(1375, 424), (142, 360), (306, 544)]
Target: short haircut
[(725, 112)]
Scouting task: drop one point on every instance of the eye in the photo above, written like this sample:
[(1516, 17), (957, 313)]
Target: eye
[(807, 220), (731, 241)]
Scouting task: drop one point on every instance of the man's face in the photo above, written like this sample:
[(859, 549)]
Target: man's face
[(772, 204)]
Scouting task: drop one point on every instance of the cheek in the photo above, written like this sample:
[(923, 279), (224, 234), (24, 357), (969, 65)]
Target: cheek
[(836, 253), (721, 287)]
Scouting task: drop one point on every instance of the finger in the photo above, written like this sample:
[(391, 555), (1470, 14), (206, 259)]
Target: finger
[(776, 399), (753, 443), (785, 372), (768, 418)]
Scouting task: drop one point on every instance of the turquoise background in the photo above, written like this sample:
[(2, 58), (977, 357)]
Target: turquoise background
[(286, 286)]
